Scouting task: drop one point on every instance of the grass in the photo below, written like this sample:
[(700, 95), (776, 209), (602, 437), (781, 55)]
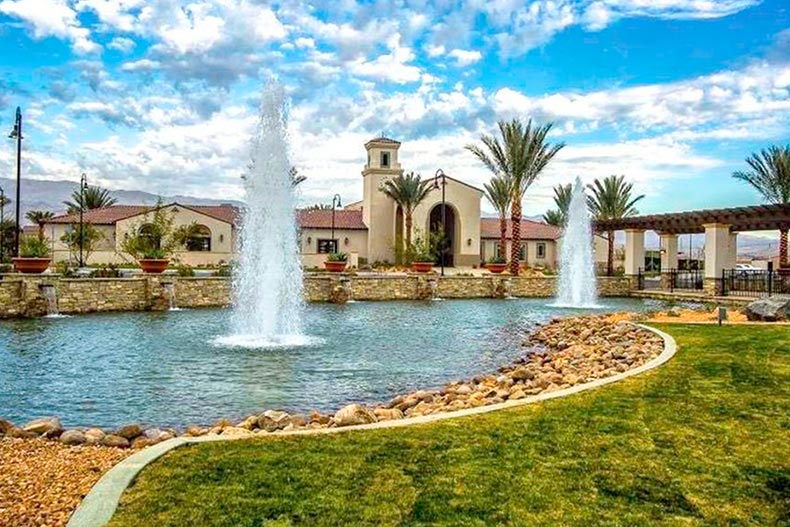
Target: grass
[(704, 440)]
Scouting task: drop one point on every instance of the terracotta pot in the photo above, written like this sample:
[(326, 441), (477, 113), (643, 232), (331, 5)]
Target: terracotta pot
[(496, 268), (31, 265), (335, 267), (153, 265), (422, 267)]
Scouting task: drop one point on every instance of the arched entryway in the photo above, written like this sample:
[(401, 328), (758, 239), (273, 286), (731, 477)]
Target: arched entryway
[(447, 242)]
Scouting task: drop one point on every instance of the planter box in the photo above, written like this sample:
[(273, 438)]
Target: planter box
[(496, 268), (422, 267), (153, 266), (31, 265), (335, 267)]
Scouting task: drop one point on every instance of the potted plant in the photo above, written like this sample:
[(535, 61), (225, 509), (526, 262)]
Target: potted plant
[(422, 254), (153, 241), (34, 257), (496, 265), (336, 262)]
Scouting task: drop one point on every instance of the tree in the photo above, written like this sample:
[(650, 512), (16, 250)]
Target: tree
[(91, 236), (562, 200), (7, 228), (519, 155), (296, 177), (154, 237), (611, 200), (95, 198), (770, 176), (40, 218), (497, 192), (319, 206), (408, 191)]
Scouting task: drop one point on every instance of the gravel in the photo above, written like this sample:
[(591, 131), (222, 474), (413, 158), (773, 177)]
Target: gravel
[(42, 481)]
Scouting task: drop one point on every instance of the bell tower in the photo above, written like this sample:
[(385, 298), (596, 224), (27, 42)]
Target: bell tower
[(378, 211)]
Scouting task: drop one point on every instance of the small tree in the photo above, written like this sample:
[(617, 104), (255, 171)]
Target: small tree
[(93, 197), (498, 193), (40, 218), (91, 236), (154, 237), (408, 191), (562, 200)]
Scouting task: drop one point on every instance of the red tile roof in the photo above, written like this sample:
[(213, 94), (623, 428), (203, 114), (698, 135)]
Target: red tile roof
[(530, 230), (322, 219), (114, 213)]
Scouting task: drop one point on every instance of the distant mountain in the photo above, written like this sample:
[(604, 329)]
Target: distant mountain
[(39, 194)]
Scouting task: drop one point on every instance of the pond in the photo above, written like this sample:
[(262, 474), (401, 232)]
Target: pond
[(162, 369)]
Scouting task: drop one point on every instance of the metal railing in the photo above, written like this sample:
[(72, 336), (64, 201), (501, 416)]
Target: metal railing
[(647, 281), (692, 279), (755, 283)]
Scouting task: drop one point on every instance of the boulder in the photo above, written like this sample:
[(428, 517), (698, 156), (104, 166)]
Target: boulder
[(770, 309), (93, 436), (388, 414), (195, 431), (142, 442), (272, 420), (73, 437), (250, 423), (298, 421), (5, 426), (354, 414), (20, 433), (235, 431), (46, 426), (129, 431), (319, 418), (115, 441)]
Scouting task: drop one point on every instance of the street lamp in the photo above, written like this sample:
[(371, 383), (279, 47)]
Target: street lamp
[(440, 176), (83, 187), (335, 203), (16, 133)]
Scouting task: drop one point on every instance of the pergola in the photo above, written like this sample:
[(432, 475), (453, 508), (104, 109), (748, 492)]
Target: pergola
[(721, 228)]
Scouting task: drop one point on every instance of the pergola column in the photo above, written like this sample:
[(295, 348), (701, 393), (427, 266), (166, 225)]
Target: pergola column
[(717, 254), (669, 257), (732, 255), (634, 251)]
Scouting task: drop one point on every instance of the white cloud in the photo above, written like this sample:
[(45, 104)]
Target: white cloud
[(122, 44), (391, 67), (464, 57), (51, 18)]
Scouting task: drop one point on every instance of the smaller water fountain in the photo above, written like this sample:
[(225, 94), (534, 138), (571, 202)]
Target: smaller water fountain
[(577, 283), (50, 294), (434, 285), (345, 283), (170, 292)]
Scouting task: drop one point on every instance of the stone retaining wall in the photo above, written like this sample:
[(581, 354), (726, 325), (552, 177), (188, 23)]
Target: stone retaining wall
[(22, 296)]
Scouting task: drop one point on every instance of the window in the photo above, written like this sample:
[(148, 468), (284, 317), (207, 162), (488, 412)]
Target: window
[(385, 159), (523, 252), (326, 246), (541, 250), (497, 251), (199, 239)]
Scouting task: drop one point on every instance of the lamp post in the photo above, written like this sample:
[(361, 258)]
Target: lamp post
[(2, 221), (16, 133), (335, 203), (440, 176), (83, 186)]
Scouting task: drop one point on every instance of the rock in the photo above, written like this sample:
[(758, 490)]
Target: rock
[(152, 433), (319, 418), (517, 394), (297, 421), (463, 389), (770, 309), (93, 436), (195, 431), (129, 432), (235, 431), (46, 426), (272, 420), (250, 423), (522, 374), (73, 437), (115, 441), (388, 414), (5, 426), (20, 433), (142, 442), (222, 423), (354, 414)]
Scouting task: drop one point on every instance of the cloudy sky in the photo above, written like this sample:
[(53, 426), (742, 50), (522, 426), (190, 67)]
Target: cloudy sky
[(162, 95)]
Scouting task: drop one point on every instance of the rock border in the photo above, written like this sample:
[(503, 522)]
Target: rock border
[(100, 504)]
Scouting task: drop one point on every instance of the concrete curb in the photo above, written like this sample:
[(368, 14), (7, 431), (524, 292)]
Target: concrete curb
[(100, 504)]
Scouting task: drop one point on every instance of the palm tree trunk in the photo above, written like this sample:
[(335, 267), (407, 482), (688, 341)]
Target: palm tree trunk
[(515, 236), (503, 236), (407, 234), (41, 232), (610, 253), (783, 248)]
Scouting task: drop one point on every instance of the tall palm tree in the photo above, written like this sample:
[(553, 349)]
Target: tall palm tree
[(562, 200), (95, 198), (611, 200), (520, 154), (40, 218), (770, 175), (497, 192), (296, 177), (408, 191)]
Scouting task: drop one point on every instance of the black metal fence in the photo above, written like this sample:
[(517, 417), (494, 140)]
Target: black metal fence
[(648, 281), (755, 283), (693, 279)]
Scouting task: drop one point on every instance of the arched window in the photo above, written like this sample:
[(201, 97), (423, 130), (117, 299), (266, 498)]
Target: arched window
[(146, 230), (199, 239)]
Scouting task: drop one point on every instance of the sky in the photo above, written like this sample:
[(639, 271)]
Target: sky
[(163, 96)]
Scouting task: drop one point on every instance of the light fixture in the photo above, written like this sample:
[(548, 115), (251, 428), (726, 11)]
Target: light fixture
[(469, 241), (309, 240), (221, 238), (345, 241)]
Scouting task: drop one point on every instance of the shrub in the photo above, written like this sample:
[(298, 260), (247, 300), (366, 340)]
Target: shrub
[(64, 269), (185, 270), (33, 247), (107, 271), (337, 257), (497, 260)]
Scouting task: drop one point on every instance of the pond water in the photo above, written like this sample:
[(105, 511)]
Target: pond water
[(161, 368)]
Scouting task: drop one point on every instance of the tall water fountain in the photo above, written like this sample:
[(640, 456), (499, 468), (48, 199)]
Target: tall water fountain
[(267, 285), (577, 286)]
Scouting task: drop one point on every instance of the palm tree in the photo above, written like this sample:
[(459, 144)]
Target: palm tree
[(95, 198), (519, 155), (407, 191), (296, 177), (40, 218), (611, 200), (770, 175), (562, 200), (497, 192)]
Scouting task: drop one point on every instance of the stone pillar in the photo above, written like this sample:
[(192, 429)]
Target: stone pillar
[(717, 254), (732, 252), (669, 258), (634, 251)]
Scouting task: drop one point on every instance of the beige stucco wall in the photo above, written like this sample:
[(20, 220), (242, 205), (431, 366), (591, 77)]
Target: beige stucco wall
[(550, 261)]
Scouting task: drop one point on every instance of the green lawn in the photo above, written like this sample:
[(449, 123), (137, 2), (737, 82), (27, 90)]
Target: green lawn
[(703, 440)]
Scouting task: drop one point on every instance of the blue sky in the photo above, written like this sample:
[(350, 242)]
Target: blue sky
[(161, 96)]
